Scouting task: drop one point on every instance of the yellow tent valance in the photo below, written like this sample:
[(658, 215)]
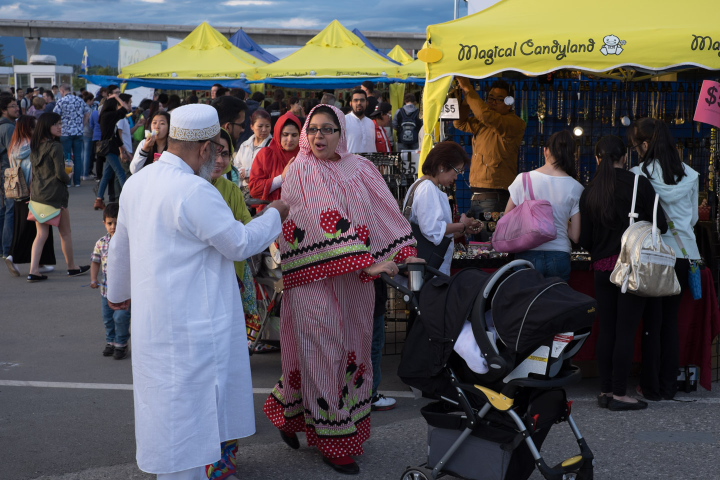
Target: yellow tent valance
[(203, 55), (515, 35), (334, 52)]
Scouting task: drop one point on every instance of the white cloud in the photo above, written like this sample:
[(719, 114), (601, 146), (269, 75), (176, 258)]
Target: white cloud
[(245, 3), (153, 1), (10, 10), (300, 23)]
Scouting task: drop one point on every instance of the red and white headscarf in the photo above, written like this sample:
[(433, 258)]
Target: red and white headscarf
[(342, 216)]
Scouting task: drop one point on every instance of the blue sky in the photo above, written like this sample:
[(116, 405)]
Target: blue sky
[(378, 15)]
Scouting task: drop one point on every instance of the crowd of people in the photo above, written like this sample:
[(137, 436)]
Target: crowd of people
[(191, 177)]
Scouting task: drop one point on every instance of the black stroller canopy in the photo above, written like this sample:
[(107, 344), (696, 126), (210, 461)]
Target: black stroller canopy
[(528, 309), (444, 305)]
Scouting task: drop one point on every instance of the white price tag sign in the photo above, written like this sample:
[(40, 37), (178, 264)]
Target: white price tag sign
[(451, 110)]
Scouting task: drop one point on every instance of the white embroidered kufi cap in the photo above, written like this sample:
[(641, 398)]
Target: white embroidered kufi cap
[(194, 123)]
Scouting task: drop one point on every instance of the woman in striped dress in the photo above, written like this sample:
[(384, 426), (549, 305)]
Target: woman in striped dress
[(343, 230)]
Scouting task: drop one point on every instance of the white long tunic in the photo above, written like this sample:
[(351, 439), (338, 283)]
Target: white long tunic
[(172, 254)]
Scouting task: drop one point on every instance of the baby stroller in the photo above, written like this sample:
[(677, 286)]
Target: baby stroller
[(491, 425)]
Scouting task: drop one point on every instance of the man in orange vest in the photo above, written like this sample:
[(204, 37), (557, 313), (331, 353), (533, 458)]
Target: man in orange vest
[(381, 117)]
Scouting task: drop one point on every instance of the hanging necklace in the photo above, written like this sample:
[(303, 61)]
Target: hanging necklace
[(551, 100), (560, 101), (524, 107), (614, 104), (570, 104), (541, 109), (635, 94)]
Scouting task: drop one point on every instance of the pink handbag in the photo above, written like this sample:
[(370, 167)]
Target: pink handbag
[(526, 226)]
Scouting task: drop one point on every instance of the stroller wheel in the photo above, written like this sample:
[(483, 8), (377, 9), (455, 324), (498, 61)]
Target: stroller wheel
[(417, 473)]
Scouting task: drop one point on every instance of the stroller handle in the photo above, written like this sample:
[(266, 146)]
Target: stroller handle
[(402, 268), (496, 276)]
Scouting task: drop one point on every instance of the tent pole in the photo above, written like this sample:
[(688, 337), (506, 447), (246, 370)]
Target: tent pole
[(455, 13)]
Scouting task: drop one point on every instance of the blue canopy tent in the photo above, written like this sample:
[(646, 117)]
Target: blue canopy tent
[(245, 43), (369, 44), (166, 84)]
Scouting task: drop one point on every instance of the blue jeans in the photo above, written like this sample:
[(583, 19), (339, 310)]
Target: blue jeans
[(6, 223), (87, 156), (74, 144), (117, 324), (112, 167), (550, 264), (378, 342)]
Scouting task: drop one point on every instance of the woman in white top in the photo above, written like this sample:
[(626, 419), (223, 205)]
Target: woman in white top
[(155, 141), (554, 182), (678, 186), (260, 125), (431, 208)]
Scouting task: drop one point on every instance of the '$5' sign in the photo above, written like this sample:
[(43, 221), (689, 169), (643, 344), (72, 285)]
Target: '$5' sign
[(708, 106)]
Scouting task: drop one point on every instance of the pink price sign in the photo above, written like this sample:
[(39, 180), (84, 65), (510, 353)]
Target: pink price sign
[(708, 107)]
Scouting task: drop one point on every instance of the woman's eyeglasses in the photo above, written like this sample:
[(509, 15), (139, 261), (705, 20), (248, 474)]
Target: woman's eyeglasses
[(459, 172), (323, 130)]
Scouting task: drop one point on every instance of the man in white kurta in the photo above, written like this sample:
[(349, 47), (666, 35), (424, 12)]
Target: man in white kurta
[(172, 254)]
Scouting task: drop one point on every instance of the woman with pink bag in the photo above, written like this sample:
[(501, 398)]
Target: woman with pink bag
[(554, 182)]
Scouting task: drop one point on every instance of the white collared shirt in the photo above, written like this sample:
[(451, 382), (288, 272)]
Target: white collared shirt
[(360, 134)]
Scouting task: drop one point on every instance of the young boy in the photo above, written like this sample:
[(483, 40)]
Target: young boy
[(117, 322)]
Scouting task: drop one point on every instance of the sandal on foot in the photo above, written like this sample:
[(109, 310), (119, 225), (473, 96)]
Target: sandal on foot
[(36, 278), (291, 440), (344, 465)]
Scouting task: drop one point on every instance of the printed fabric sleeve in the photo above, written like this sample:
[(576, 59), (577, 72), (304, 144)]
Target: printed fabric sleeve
[(400, 257), (96, 255)]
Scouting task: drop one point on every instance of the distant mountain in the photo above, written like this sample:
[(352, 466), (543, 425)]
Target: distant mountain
[(68, 51)]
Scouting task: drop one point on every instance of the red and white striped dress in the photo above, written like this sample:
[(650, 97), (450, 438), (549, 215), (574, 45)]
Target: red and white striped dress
[(342, 219)]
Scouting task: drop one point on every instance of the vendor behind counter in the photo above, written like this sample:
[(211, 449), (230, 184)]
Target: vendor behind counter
[(497, 135)]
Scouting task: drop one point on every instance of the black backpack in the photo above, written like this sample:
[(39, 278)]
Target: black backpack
[(407, 127)]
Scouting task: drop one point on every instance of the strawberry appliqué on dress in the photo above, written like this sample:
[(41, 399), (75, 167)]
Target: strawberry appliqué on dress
[(333, 224), (292, 234)]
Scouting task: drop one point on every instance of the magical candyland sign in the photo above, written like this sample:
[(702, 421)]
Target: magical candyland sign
[(598, 53)]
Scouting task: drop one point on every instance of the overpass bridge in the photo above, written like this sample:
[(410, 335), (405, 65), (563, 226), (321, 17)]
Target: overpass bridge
[(34, 30)]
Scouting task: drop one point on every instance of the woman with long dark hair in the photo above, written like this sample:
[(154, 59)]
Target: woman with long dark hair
[(113, 111), (49, 188), (154, 143), (604, 208), (678, 185), (555, 182), (24, 231)]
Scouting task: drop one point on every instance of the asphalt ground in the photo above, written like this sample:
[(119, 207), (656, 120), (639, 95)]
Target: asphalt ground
[(66, 412)]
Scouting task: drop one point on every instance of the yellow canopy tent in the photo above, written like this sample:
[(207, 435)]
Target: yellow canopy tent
[(335, 52), (205, 54), (415, 68), (400, 55), (644, 35)]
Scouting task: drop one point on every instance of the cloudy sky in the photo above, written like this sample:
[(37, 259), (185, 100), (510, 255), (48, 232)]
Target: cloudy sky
[(382, 15)]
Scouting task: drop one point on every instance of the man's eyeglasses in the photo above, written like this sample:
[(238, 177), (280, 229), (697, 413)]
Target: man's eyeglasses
[(218, 147), (237, 124), (323, 130), (491, 99)]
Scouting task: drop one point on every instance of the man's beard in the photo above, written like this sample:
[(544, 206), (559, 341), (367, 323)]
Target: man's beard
[(359, 112), (206, 169)]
